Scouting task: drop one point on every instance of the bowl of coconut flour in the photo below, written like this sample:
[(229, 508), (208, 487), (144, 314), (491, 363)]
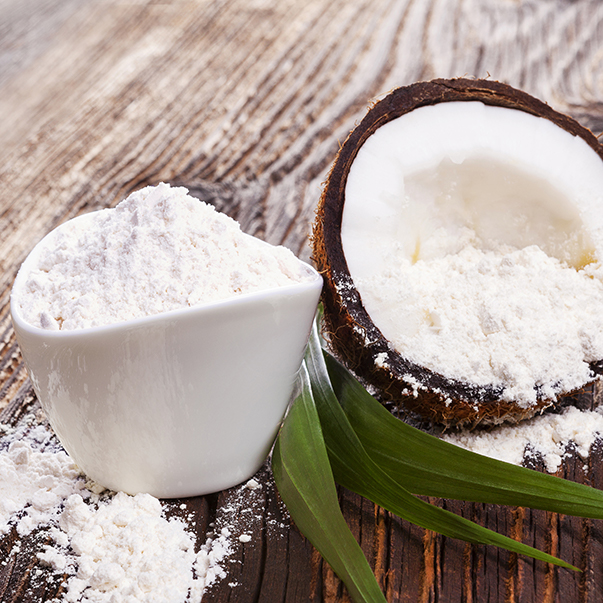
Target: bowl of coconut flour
[(162, 342)]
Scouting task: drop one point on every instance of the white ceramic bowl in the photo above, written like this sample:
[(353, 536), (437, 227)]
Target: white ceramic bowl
[(178, 404)]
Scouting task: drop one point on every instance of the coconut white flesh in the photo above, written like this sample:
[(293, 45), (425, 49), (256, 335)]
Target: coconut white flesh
[(474, 236)]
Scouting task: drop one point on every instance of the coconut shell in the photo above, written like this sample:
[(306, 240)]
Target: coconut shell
[(349, 328)]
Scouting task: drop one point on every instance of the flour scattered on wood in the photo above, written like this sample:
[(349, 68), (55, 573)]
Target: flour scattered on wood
[(112, 546), (158, 250), (35, 478), (546, 436)]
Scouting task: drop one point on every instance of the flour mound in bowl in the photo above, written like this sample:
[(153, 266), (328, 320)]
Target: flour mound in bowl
[(158, 250)]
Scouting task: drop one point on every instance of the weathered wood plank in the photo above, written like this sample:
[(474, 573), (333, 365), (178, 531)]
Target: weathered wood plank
[(245, 103)]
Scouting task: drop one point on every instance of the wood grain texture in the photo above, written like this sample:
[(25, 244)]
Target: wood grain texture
[(246, 102)]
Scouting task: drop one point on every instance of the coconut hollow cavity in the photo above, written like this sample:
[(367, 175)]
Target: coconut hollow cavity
[(460, 234)]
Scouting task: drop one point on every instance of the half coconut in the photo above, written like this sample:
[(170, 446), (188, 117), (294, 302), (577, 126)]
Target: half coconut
[(460, 235)]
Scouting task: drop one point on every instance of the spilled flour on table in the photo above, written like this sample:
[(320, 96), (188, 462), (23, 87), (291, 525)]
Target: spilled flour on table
[(112, 546), (546, 436), (36, 476)]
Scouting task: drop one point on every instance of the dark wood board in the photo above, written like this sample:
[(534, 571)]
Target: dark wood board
[(246, 102)]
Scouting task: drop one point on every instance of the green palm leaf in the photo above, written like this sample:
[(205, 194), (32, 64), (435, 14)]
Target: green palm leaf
[(304, 479), (354, 469), (429, 466)]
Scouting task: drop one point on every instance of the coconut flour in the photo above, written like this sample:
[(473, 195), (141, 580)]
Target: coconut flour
[(158, 250), (513, 318), (110, 546), (546, 437), (474, 235)]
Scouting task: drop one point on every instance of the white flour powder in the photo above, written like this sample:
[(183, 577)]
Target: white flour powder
[(35, 478), (474, 235), (112, 546), (123, 548), (546, 436), (158, 250), (515, 318)]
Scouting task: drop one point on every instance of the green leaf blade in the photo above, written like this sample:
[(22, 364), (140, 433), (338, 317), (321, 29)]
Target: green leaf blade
[(305, 482), (432, 467), (354, 469)]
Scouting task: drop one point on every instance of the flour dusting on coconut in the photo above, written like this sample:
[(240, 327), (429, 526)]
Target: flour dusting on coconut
[(466, 220), (518, 319), (485, 271)]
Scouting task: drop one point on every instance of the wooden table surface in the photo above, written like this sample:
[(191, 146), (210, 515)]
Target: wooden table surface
[(245, 102)]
